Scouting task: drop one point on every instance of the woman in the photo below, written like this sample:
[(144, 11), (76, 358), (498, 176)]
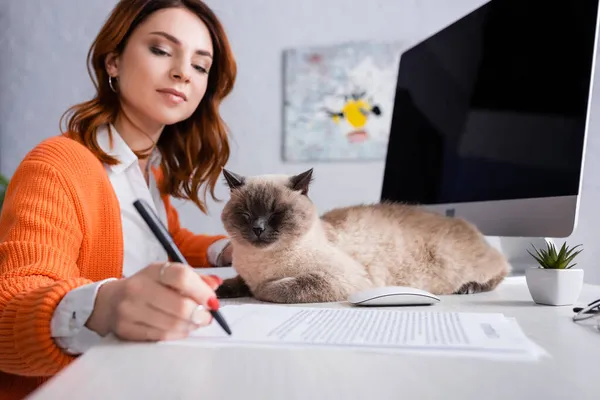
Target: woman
[(76, 260)]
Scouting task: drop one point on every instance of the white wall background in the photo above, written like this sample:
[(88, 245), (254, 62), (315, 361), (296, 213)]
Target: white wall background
[(42, 72)]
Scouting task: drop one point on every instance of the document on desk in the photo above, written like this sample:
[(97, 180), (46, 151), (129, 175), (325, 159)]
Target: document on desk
[(374, 329)]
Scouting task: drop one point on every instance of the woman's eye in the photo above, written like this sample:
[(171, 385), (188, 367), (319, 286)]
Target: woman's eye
[(158, 51), (201, 69)]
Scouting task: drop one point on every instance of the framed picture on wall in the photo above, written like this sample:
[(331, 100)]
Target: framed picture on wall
[(337, 101)]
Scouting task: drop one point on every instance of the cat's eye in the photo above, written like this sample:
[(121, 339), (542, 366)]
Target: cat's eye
[(246, 215), (276, 215)]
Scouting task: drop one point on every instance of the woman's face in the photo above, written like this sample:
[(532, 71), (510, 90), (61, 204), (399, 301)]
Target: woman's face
[(163, 70)]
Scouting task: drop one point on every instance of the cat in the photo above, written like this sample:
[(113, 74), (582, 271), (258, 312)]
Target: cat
[(284, 252)]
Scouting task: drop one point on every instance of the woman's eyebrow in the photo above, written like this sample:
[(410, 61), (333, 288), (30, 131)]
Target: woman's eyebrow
[(178, 42)]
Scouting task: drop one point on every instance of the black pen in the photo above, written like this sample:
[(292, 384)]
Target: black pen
[(164, 237)]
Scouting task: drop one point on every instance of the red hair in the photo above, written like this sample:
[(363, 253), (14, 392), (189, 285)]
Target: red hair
[(193, 151)]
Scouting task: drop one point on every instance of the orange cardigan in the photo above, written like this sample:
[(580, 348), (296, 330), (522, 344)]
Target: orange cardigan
[(60, 228)]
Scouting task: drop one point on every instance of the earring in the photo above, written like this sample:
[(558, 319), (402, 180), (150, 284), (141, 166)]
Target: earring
[(111, 84)]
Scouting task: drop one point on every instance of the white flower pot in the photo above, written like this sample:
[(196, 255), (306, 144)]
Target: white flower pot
[(554, 287)]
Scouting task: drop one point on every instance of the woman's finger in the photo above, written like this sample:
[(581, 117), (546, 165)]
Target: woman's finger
[(212, 280), (168, 300), (186, 281), (137, 331), (163, 321)]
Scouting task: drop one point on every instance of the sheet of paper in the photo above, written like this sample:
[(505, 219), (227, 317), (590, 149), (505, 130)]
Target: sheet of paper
[(389, 329)]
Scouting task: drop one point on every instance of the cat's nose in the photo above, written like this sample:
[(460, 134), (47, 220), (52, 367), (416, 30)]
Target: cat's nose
[(258, 227), (258, 230)]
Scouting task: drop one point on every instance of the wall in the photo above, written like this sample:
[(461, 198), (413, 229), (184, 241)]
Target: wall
[(42, 72), (254, 110)]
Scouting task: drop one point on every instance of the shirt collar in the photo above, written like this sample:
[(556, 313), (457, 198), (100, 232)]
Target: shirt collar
[(119, 149)]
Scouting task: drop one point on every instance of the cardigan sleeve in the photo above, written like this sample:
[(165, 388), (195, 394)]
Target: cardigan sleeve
[(193, 246), (40, 238)]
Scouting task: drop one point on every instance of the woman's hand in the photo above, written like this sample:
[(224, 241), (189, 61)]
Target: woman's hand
[(226, 256), (164, 301)]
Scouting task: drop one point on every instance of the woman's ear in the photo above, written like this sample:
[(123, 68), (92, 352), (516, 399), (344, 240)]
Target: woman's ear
[(111, 63)]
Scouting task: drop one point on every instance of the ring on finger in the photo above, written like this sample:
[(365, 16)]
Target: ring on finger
[(195, 317), (162, 270)]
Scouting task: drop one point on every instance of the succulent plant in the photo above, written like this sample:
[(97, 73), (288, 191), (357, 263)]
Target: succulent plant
[(549, 258)]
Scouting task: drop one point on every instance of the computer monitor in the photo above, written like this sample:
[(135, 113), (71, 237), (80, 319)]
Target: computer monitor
[(491, 117)]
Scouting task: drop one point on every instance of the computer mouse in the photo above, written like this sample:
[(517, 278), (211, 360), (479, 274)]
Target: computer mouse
[(392, 296)]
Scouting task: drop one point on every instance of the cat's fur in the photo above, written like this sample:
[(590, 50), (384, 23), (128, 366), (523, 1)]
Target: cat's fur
[(301, 257)]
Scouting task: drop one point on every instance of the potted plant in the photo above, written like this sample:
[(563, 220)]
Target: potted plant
[(3, 186), (555, 282)]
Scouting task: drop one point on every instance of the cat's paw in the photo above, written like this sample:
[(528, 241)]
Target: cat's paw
[(476, 287), (470, 288), (233, 288), (306, 288)]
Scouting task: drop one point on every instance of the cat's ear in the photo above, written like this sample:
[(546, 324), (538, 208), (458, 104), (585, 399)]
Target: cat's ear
[(301, 181), (233, 180)]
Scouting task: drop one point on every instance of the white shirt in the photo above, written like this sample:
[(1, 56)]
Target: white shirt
[(140, 246)]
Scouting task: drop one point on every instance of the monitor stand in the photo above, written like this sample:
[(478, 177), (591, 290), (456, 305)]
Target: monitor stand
[(515, 250)]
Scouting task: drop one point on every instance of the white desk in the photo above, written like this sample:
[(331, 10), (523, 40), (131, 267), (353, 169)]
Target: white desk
[(148, 371)]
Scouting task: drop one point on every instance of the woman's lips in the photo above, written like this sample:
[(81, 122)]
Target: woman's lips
[(173, 95)]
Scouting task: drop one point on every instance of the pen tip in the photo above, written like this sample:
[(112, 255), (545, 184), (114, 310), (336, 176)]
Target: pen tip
[(221, 321)]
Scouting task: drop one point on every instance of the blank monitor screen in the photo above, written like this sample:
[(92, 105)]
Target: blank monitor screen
[(494, 106)]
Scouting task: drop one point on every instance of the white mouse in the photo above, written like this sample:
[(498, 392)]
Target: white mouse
[(392, 296)]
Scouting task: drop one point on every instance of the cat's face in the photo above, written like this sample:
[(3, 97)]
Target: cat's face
[(269, 209)]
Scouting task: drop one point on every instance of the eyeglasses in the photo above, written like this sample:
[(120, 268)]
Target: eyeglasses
[(590, 311)]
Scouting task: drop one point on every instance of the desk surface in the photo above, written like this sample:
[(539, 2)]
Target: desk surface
[(117, 370)]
